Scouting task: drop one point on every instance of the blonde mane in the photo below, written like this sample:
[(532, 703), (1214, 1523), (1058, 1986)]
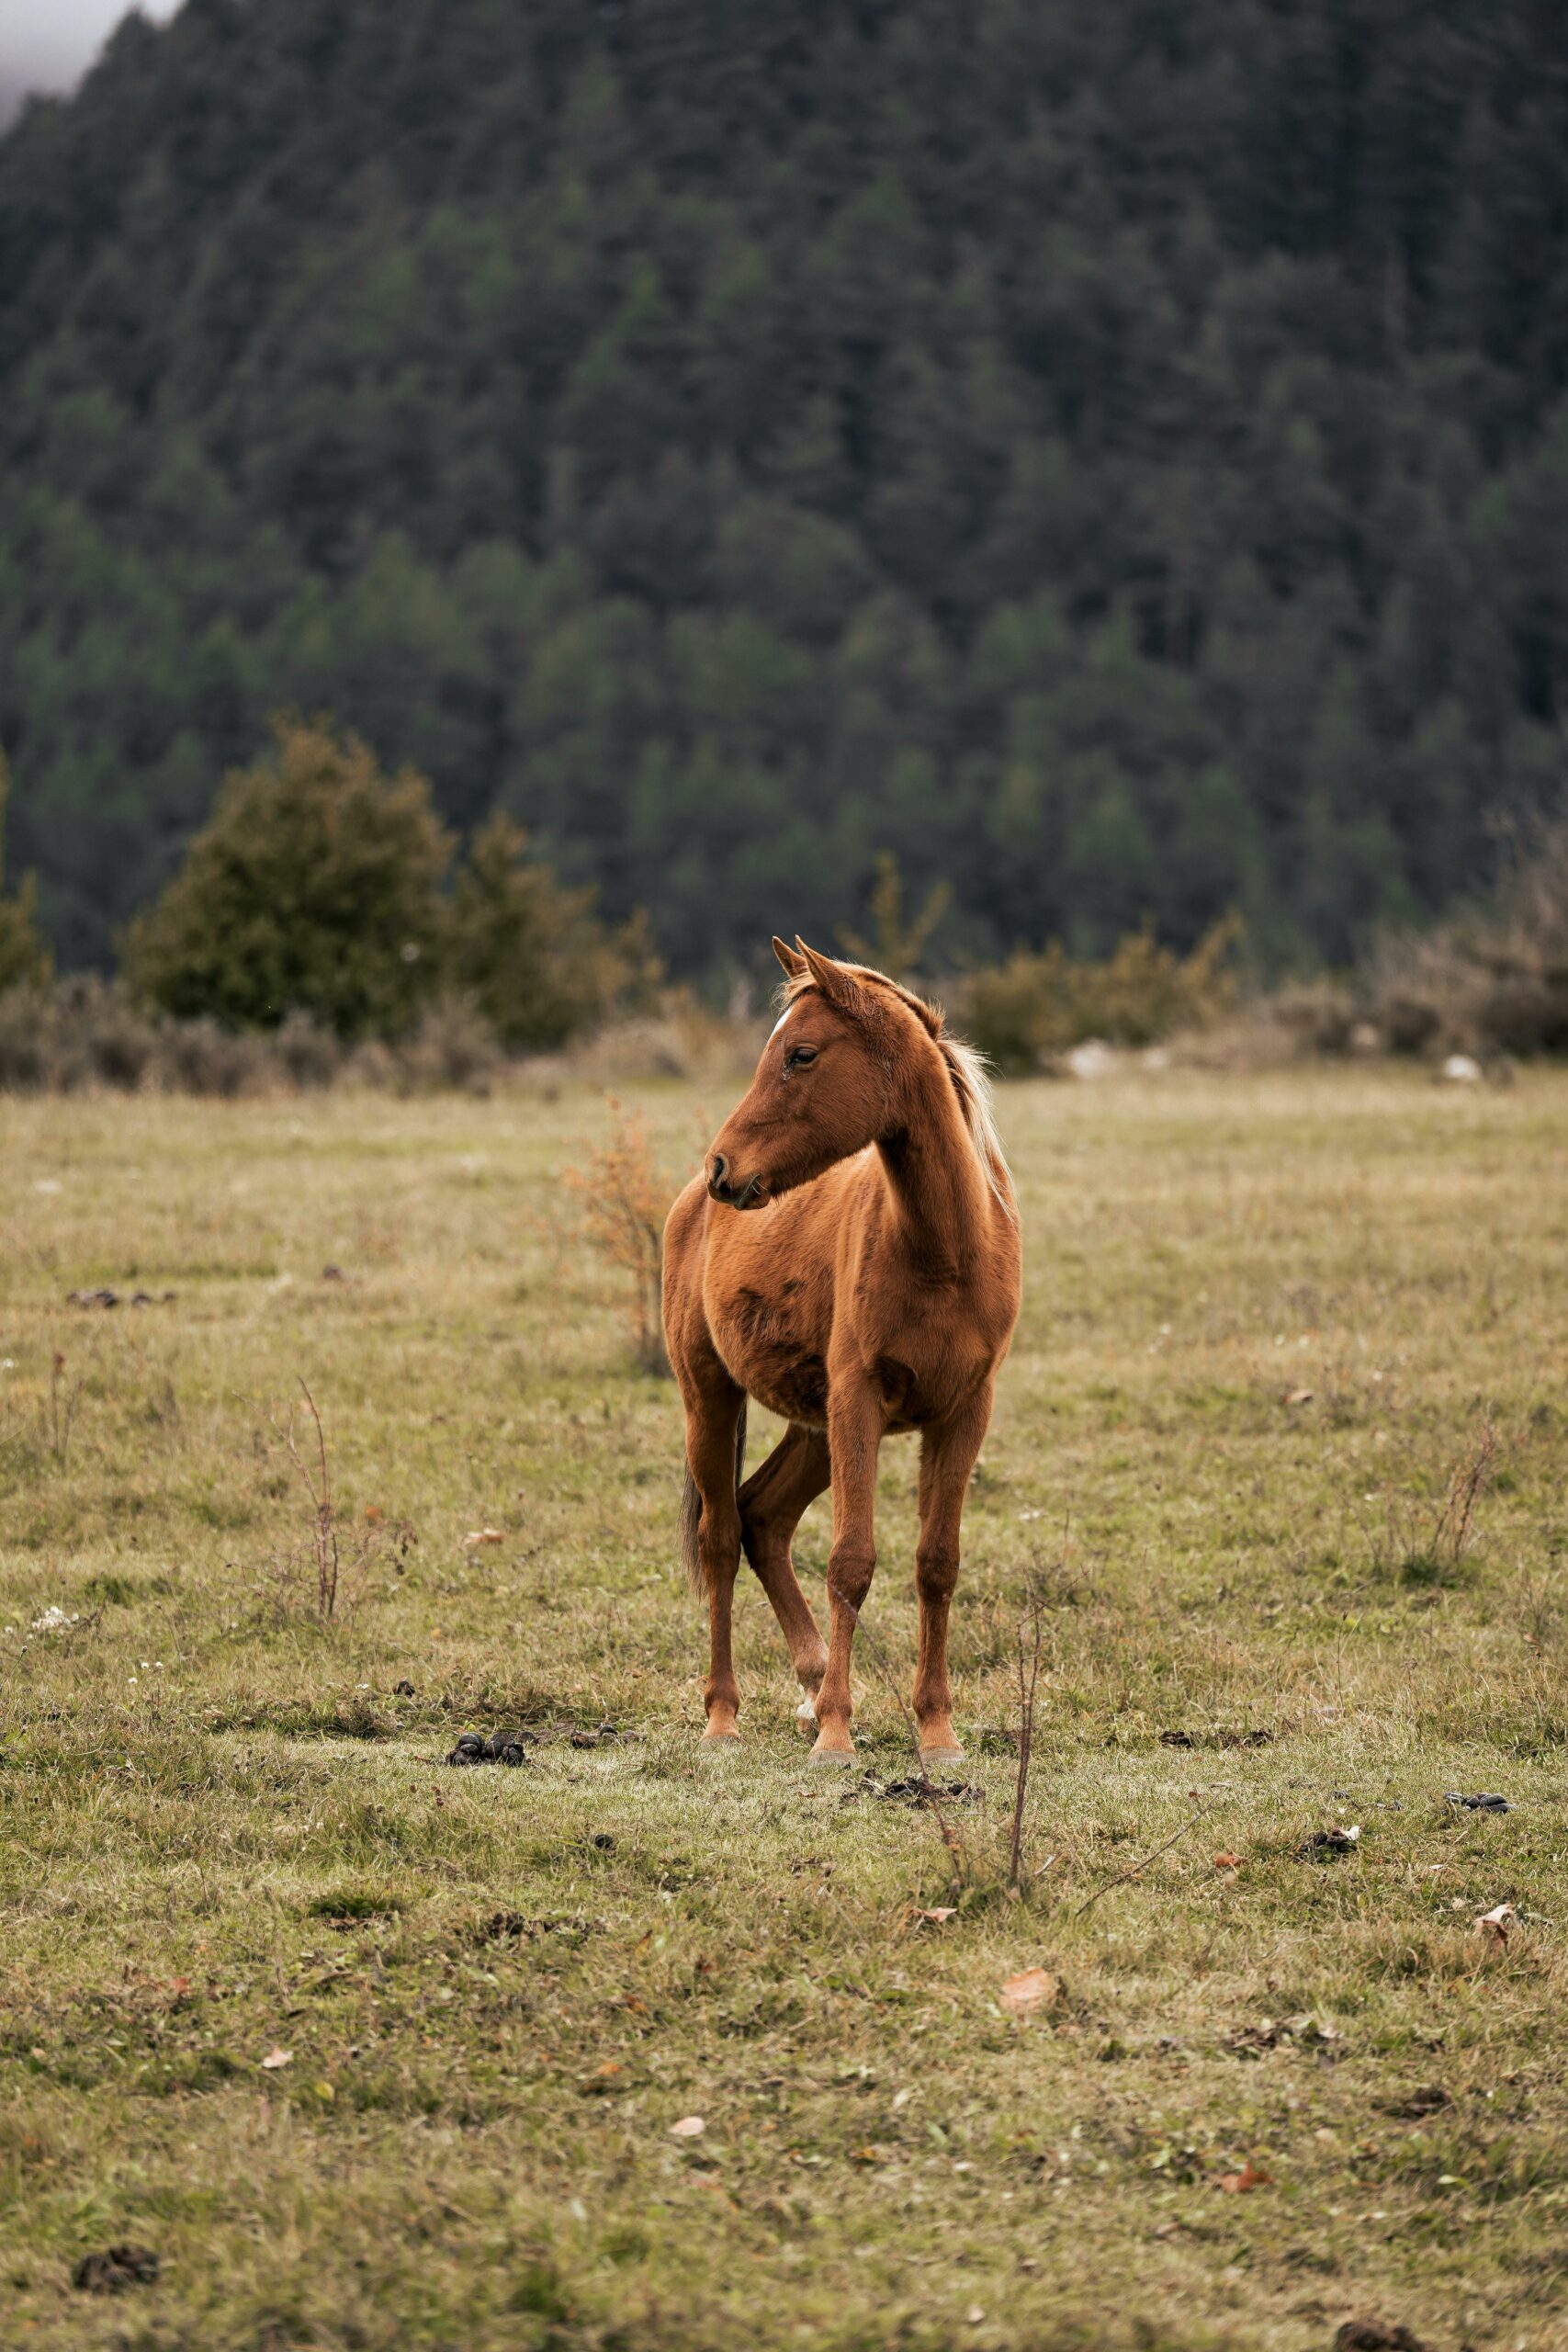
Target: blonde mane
[(966, 1066)]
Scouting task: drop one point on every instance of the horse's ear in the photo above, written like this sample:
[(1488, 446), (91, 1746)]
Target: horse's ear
[(794, 964), (839, 986)]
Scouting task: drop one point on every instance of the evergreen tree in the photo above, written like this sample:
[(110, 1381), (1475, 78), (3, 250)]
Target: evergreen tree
[(24, 953), (314, 886), (1112, 473)]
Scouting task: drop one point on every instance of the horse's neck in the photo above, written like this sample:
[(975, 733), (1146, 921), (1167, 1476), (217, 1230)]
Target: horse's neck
[(940, 1188)]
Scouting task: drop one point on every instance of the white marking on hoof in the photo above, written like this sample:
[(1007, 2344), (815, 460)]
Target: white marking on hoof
[(806, 1710)]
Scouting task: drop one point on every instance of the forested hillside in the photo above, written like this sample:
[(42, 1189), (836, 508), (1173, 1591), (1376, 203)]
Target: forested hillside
[(1113, 456)]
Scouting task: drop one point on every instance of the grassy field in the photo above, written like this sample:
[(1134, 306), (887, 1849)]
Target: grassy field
[(373, 2054)]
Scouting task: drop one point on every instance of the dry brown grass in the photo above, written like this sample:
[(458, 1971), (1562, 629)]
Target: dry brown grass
[(228, 1829)]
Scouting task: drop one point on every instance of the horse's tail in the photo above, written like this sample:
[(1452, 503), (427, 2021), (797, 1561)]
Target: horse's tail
[(691, 1510)]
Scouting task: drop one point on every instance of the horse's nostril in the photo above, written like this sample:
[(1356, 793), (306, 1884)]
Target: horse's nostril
[(719, 1168)]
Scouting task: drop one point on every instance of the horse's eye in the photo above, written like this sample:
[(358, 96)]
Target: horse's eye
[(801, 1055)]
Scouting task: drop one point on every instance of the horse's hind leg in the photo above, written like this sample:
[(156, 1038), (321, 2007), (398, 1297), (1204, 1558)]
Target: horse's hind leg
[(948, 1451), (712, 1422), (771, 1502)]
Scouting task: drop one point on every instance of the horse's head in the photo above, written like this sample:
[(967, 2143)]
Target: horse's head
[(823, 1086)]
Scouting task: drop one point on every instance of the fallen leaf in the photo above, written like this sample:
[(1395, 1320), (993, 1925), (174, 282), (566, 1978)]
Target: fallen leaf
[(1033, 1989), (276, 2058), (374, 1513), (483, 1536), (1494, 1924), (690, 2127), (1237, 2184), (1299, 1396), (1227, 1861), (943, 1911)]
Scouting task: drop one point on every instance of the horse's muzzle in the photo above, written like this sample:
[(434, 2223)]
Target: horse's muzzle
[(723, 1188)]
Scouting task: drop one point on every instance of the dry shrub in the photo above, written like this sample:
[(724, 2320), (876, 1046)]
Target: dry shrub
[(25, 1063), (1302, 1020), (453, 1049), (309, 1055), (1318, 1016), (624, 1199), (83, 1035), (1490, 981), (72, 1037), (200, 1058), (1023, 1013), (678, 1038)]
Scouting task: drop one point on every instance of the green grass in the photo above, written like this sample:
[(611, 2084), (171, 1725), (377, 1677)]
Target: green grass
[(226, 1832)]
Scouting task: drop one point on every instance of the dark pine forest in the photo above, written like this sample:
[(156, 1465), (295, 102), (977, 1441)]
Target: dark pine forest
[(1112, 455)]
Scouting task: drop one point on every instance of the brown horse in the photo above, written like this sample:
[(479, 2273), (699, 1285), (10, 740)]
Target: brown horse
[(851, 1260)]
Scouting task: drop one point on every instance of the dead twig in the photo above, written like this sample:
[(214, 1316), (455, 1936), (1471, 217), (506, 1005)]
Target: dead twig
[(1469, 1482), (1028, 1682), (318, 1485), (1123, 1876), (624, 1200), (1424, 1549), (61, 1421)]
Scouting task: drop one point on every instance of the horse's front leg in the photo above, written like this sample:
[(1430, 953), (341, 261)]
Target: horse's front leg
[(948, 1452), (855, 1424)]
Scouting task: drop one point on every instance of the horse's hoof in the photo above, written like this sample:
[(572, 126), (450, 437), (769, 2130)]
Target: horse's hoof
[(935, 1759), (840, 1755), (718, 1743)]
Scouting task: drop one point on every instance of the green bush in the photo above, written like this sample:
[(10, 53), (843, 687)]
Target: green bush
[(1022, 1013), (24, 953), (536, 962), (316, 901), (315, 886)]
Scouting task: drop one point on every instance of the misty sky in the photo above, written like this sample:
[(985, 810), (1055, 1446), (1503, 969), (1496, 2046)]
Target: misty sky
[(49, 44)]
